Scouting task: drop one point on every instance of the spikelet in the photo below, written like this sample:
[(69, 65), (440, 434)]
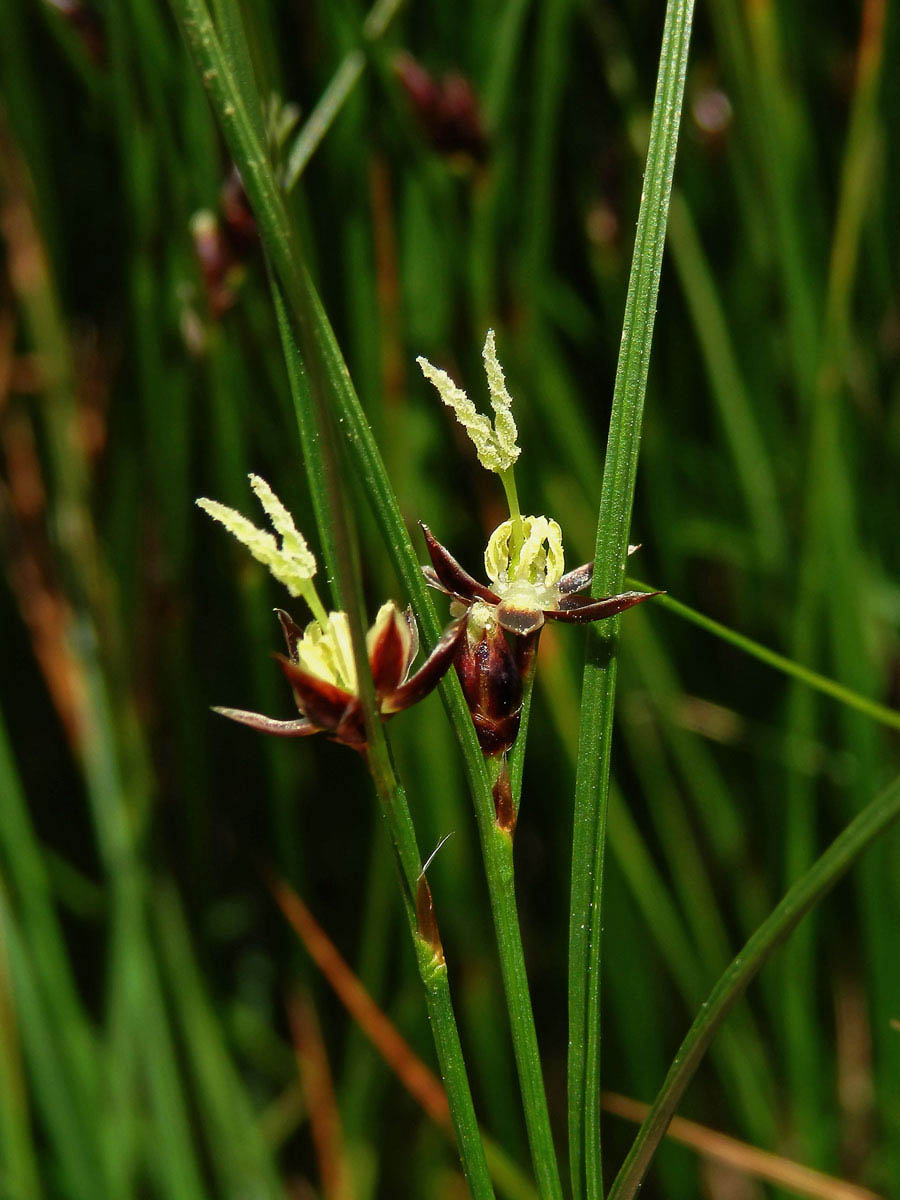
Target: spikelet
[(494, 444)]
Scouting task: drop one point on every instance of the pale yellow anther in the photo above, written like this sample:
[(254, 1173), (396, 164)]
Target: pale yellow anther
[(292, 563), (494, 444), (540, 563), (326, 651)]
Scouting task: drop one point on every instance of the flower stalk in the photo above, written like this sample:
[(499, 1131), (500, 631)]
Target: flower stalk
[(493, 676)]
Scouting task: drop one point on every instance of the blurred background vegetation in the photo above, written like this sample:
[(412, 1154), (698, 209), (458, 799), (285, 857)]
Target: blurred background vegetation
[(163, 1032)]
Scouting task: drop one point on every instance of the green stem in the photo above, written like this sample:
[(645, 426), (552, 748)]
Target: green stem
[(873, 821), (517, 537), (728, 389), (497, 848), (517, 754), (598, 694), (429, 954)]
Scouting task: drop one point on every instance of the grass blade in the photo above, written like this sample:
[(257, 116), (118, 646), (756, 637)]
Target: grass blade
[(867, 827), (415, 1076), (743, 1158), (332, 100), (598, 693), (780, 662), (230, 1126)]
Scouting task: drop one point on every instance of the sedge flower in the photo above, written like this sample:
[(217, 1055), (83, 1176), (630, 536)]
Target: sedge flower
[(319, 664), (525, 565), (526, 589), (504, 620)]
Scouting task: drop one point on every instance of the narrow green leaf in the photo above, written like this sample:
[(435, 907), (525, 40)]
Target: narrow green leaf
[(598, 695), (780, 662), (18, 1160), (57, 1101), (231, 1128), (342, 83), (871, 823)]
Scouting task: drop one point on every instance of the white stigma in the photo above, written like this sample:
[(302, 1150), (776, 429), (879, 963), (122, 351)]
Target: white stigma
[(495, 445)]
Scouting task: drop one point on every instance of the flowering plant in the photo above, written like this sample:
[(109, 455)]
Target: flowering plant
[(319, 663), (525, 563)]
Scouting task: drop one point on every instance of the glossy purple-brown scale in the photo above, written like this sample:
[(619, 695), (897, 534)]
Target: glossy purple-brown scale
[(429, 674), (297, 728), (525, 651), (451, 577), (520, 622), (291, 630), (352, 730), (492, 685), (332, 710), (581, 609), (324, 703), (388, 660), (577, 580)]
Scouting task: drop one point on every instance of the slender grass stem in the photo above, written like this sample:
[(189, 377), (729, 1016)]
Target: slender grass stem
[(328, 373), (832, 550), (517, 754), (20, 1168), (869, 825), (240, 1156), (820, 683), (375, 1025), (426, 941), (598, 694), (497, 847), (752, 462), (332, 100)]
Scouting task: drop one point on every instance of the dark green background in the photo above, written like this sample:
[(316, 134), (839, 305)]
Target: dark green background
[(144, 1025)]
